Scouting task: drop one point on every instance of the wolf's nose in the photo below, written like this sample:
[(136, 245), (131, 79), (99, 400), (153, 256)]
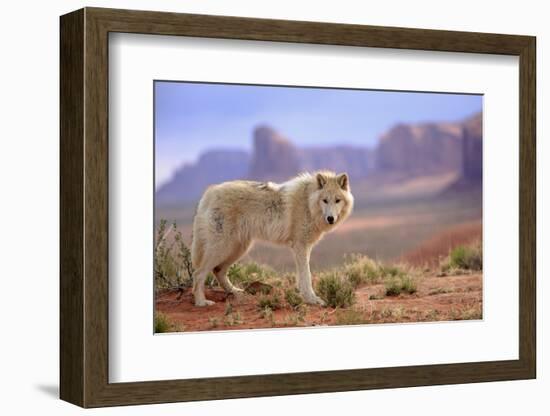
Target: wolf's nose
[(330, 219)]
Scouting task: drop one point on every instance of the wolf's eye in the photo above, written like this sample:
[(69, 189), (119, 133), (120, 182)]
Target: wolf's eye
[(337, 201), (325, 201)]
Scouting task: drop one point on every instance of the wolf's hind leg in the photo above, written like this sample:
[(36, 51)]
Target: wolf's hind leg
[(220, 271), (221, 275)]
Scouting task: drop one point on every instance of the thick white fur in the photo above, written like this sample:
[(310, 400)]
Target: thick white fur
[(297, 213)]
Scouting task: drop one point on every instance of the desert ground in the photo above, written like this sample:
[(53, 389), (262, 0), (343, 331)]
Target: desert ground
[(400, 257), (447, 298)]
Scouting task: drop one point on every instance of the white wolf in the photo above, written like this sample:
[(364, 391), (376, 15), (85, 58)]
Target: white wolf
[(297, 213)]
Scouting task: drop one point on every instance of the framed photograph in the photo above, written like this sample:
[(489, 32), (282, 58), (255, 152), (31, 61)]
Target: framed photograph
[(254, 207)]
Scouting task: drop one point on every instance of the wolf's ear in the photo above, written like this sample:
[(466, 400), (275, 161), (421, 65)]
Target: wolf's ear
[(343, 181), (321, 180)]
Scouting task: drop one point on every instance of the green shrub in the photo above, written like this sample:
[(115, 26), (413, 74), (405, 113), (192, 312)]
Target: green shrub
[(172, 260), (360, 269), (335, 290), (163, 324), (272, 302), (293, 298), (397, 285), (393, 288), (472, 313), (242, 274), (466, 257), (350, 317), (408, 285)]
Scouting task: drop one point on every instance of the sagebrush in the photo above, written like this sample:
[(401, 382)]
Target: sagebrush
[(464, 258), (172, 260), (336, 290)]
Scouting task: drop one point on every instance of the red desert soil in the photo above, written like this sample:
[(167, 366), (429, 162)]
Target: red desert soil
[(437, 299)]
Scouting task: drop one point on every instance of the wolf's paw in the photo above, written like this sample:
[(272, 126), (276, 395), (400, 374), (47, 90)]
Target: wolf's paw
[(204, 302), (314, 300)]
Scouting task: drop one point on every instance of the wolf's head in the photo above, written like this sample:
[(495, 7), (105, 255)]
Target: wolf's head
[(332, 198)]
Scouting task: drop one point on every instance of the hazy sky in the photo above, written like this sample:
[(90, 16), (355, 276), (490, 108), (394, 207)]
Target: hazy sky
[(192, 117)]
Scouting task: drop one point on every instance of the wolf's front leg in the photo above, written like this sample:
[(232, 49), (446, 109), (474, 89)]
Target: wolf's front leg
[(303, 276)]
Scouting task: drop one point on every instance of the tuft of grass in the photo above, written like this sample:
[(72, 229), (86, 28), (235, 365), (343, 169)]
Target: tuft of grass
[(472, 313), (161, 323), (432, 315), (389, 314), (454, 315), (164, 324), (393, 288), (268, 315), (233, 319), (467, 257), (242, 274), (464, 258), (386, 313), (293, 298), (398, 313), (350, 316), (213, 321), (335, 290), (272, 302), (398, 285), (323, 317), (360, 269)]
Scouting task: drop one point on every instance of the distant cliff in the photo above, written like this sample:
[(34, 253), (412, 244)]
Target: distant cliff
[(472, 163), (190, 181), (274, 157), (421, 149), (407, 149), (432, 148)]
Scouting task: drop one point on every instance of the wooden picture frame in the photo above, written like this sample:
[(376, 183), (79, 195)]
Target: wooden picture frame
[(84, 207)]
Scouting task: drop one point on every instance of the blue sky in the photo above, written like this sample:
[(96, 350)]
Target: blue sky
[(191, 118)]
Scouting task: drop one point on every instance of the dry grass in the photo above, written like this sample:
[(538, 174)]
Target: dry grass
[(164, 324), (463, 259), (335, 290)]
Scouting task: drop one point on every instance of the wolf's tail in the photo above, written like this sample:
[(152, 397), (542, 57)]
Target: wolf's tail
[(197, 248)]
